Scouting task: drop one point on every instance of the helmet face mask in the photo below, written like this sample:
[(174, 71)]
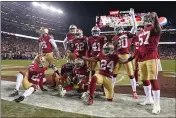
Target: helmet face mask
[(72, 29), (79, 63), (41, 61), (119, 30), (95, 31), (108, 48), (147, 20), (79, 34)]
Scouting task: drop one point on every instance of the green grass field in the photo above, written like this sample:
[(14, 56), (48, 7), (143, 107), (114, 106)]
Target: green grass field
[(11, 109)]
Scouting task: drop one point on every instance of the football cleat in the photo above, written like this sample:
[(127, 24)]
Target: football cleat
[(62, 92), (90, 101), (15, 93), (147, 101), (156, 109), (85, 95), (44, 89), (135, 96), (19, 99)]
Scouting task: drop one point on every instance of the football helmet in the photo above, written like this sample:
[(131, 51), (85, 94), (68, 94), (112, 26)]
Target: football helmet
[(79, 63), (95, 31), (41, 61), (44, 30), (72, 29), (108, 48), (79, 34), (147, 19), (119, 30)]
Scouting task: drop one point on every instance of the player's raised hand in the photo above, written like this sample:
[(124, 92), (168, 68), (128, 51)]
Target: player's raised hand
[(131, 11)]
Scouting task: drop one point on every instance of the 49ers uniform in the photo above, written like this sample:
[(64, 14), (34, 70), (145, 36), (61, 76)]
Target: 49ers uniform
[(47, 49), (123, 47), (95, 44), (148, 53), (80, 46), (33, 77), (105, 75)]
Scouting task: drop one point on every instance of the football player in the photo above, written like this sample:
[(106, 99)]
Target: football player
[(80, 44), (80, 77), (31, 79), (68, 42), (95, 43), (108, 59), (148, 59), (122, 43), (66, 74)]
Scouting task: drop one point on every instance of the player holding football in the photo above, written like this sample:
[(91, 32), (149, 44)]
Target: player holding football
[(108, 59), (122, 43), (148, 59), (68, 41), (80, 77), (31, 79)]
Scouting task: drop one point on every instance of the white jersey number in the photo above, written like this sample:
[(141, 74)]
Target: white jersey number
[(79, 46), (104, 65), (43, 44), (122, 42), (96, 46), (142, 40)]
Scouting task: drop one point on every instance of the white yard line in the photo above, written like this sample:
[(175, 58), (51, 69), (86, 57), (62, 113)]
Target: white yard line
[(122, 106)]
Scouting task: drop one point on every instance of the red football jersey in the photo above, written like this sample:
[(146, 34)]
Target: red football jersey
[(95, 45), (81, 73), (80, 46), (148, 44), (135, 42), (45, 43), (35, 73), (70, 36), (123, 42), (107, 64)]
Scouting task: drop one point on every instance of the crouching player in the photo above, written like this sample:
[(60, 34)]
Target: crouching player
[(64, 78), (80, 78), (108, 59), (31, 79)]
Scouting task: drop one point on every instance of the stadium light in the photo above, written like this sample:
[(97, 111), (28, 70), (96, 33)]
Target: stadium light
[(44, 6), (53, 9), (35, 3)]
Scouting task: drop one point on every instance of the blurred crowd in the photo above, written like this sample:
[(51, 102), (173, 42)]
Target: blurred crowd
[(22, 48)]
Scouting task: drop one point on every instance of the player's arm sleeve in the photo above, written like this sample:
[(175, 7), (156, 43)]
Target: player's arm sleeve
[(40, 48), (53, 43), (91, 59), (65, 43), (134, 24)]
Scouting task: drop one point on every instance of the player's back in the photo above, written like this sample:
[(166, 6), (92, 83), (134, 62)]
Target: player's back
[(96, 45)]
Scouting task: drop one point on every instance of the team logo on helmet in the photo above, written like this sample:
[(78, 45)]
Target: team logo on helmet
[(95, 31), (108, 48), (72, 29), (79, 33), (43, 30), (40, 60), (79, 63)]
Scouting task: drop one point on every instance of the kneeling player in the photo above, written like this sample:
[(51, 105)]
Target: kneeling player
[(80, 78), (108, 59), (31, 80), (64, 78)]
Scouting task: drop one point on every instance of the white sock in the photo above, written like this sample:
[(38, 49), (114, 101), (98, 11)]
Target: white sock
[(28, 92), (19, 81), (148, 91), (156, 96), (133, 84)]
